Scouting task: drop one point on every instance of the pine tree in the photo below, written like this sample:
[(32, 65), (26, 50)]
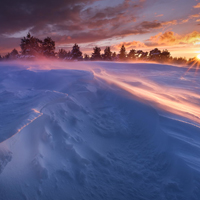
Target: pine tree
[(7, 56), (62, 54), (107, 54), (48, 47), (114, 56), (86, 57), (122, 54), (165, 55), (132, 54), (142, 55), (31, 45), (96, 55), (76, 53), (14, 53), (155, 54)]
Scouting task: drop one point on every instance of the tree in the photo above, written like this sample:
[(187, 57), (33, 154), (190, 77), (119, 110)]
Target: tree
[(132, 54), (165, 55), (86, 57), (48, 47), (122, 53), (7, 56), (62, 54), (114, 56), (155, 54), (180, 60), (107, 54), (76, 53), (142, 55), (14, 53), (30, 45), (96, 55)]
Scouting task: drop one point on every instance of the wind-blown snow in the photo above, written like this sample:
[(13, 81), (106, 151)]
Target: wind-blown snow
[(99, 130)]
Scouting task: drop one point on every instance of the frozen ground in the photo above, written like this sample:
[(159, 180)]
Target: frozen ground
[(99, 130)]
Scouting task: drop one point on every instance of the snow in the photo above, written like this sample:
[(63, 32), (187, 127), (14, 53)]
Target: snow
[(99, 130)]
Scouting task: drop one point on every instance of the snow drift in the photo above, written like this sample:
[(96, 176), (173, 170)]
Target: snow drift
[(97, 130)]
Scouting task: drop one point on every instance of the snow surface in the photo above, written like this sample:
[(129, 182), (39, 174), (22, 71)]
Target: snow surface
[(99, 130)]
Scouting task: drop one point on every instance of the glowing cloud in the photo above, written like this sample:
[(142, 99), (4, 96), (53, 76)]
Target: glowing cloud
[(171, 38), (197, 6), (133, 44)]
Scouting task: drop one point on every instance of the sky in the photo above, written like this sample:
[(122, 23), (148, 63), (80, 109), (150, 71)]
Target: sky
[(138, 24)]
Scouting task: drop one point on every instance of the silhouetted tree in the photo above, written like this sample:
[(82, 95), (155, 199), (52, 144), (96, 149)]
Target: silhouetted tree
[(114, 56), (76, 53), (62, 54), (48, 47), (14, 53), (31, 45), (132, 54), (180, 60), (122, 53), (142, 55), (155, 54), (165, 56), (96, 55), (86, 57), (107, 54), (7, 56)]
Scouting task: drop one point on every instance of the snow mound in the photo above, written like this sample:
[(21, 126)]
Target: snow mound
[(98, 131)]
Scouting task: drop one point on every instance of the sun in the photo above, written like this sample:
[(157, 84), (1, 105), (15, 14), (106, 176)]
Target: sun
[(198, 56), (194, 63)]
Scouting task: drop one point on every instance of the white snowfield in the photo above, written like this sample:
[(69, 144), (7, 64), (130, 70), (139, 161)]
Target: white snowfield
[(99, 130)]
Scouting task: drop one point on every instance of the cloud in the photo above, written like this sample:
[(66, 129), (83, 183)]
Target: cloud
[(197, 6), (69, 21), (77, 21), (184, 21), (194, 16), (161, 15), (20, 15), (131, 45), (151, 24), (171, 38), (172, 22), (190, 17), (101, 31), (67, 17)]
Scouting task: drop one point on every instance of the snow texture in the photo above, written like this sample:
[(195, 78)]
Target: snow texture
[(99, 130)]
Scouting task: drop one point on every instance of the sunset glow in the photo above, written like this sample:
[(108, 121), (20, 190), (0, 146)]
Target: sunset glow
[(100, 99), (198, 57), (138, 24)]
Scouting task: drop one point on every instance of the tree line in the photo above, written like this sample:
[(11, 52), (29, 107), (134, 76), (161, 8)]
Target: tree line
[(32, 47)]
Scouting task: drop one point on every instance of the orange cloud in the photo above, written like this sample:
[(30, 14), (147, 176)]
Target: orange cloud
[(172, 22), (194, 16), (171, 38), (129, 45), (197, 6), (161, 15), (184, 21), (189, 18)]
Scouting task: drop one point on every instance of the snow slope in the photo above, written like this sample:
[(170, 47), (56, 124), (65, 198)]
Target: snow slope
[(99, 130)]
